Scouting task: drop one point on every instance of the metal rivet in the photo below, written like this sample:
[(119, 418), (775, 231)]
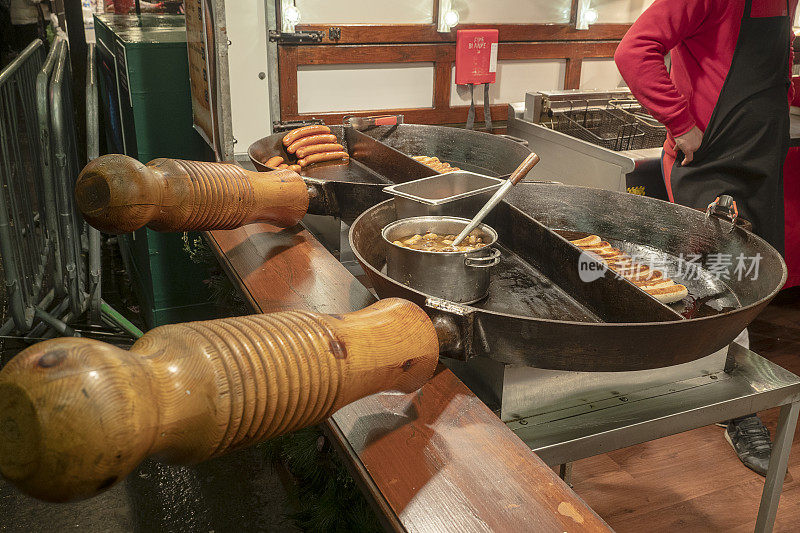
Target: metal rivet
[(262, 75)]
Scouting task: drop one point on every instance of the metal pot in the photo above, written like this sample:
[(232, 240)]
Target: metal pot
[(461, 277)]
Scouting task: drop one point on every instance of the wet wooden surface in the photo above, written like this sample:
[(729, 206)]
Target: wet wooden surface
[(434, 460)]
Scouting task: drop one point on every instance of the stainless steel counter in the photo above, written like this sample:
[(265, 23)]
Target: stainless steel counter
[(588, 426)]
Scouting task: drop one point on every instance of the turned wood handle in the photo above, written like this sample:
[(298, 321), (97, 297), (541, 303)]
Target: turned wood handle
[(522, 170), (78, 415), (118, 194)]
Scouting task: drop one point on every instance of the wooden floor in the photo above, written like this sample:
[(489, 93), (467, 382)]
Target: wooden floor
[(693, 481)]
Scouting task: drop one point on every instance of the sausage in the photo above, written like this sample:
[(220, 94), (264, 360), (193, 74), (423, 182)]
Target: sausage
[(273, 162), (283, 165), (305, 131), (325, 156), (296, 168), (318, 149), (312, 139)]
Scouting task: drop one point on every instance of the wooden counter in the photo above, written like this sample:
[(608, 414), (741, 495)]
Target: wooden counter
[(434, 460)]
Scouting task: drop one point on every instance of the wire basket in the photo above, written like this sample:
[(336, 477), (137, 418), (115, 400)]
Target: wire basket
[(621, 125)]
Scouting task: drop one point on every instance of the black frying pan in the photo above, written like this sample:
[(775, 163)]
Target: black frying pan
[(540, 313)]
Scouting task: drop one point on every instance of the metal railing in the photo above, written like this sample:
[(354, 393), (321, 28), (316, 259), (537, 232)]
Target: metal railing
[(65, 165), (98, 308), (24, 241), (42, 235)]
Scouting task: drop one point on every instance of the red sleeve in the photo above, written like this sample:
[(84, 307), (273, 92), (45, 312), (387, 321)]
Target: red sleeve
[(792, 11), (640, 58), (791, 64)]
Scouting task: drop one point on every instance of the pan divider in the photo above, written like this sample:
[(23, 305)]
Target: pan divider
[(382, 159), (371, 162), (607, 294)]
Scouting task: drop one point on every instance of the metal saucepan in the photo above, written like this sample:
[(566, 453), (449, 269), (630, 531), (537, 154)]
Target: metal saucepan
[(461, 277)]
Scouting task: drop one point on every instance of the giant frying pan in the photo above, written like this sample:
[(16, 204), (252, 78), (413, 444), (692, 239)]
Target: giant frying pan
[(381, 155), (540, 312), (491, 155), (118, 194)]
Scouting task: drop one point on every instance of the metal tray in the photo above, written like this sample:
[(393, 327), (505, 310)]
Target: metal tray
[(466, 191)]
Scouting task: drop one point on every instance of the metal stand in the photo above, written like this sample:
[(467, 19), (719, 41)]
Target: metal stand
[(582, 429), (565, 473), (787, 421)]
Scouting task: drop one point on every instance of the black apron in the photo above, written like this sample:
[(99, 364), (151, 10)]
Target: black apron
[(747, 138)]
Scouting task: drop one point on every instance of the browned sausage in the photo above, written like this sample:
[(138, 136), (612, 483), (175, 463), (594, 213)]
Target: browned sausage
[(283, 165), (305, 131), (296, 168), (325, 156), (273, 162), (312, 139), (306, 151)]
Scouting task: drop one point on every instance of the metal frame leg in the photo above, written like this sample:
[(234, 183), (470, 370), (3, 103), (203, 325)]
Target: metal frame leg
[(787, 421), (565, 473)]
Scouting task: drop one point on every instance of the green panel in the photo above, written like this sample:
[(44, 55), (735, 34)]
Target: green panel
[(170, 286)]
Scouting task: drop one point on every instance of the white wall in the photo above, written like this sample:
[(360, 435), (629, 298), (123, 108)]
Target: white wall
[(247, 58), (619, 11), (514, 78), (364, 87), (365, 11), (421, 11), (512, 11), (600, 73)]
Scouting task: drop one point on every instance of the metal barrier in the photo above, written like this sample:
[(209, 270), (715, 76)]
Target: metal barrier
[(24, 242), (98, 308), (43, 108), (42, 234), (65, 164), (93, 151)]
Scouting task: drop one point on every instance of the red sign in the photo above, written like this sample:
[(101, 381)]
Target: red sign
[(476, 56)]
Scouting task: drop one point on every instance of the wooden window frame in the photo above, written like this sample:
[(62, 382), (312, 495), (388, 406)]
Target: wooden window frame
[(406, 43)]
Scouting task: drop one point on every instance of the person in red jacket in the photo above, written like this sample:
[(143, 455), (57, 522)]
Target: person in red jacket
[(724, 104)]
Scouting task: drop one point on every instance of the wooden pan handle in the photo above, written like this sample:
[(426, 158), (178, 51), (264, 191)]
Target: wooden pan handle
[(78, 415), (118, 194)]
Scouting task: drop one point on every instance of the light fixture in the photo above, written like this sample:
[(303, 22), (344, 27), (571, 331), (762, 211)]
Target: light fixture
[(290, 16), (451, 18), (586, 15), (590, 16), (447, 17)]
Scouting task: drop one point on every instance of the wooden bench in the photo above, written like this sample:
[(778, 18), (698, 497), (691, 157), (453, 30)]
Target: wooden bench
[(434, 460)]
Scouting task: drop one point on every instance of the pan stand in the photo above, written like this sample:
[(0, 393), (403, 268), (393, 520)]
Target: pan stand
[(566, 416)]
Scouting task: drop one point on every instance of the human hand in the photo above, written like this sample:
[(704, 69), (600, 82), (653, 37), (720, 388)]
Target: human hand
[(151, 7), (688, 143)]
